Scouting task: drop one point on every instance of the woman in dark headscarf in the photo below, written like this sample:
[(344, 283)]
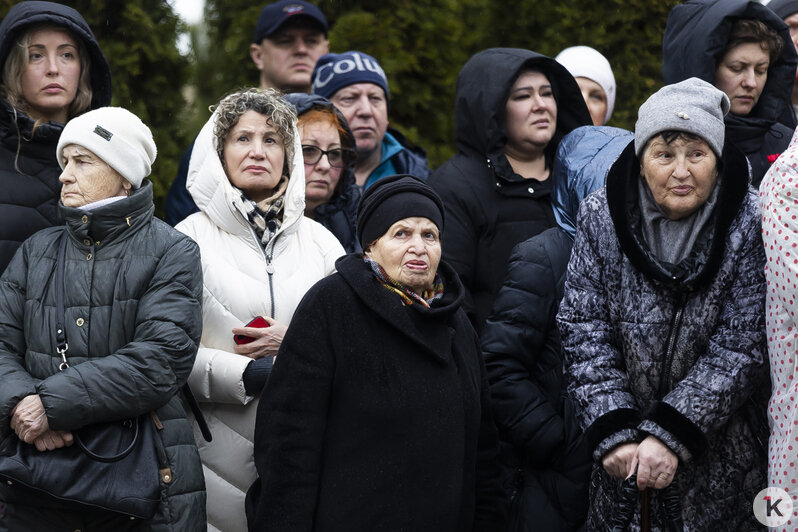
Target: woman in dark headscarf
[(377, 413)]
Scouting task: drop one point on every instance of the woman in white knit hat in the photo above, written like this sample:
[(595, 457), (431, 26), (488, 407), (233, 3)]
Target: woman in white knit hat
[(593, 74), (132, 322)]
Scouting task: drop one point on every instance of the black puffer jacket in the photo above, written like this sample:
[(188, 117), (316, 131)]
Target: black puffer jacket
[(523, 351), (132, 294), (29, 186), (349, 441), (677, 353), (696, 34), (490, 208), (339, 215)]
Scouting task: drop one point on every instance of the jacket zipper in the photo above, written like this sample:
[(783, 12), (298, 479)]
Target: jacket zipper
[(269, 266), (270, 272), (673, 336)]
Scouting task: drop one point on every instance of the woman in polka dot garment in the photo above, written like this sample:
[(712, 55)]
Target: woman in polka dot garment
[(779, 206)]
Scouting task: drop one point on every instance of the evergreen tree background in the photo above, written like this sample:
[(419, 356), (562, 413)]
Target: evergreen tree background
[(421, 44)]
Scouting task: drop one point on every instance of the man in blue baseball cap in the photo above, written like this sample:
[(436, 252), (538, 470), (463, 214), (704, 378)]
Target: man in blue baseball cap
[(356, 83), (290, 36)]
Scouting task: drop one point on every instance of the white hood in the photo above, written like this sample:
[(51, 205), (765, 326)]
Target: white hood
[(213, 193)]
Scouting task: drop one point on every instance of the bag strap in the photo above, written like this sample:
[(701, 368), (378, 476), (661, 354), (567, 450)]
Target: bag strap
[(61, 345), (114, 457)]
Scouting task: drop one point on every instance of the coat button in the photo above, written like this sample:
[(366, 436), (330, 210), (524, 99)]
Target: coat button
[(84, 219), (531, 190), (80, 322), (86, 242), (88, 257)]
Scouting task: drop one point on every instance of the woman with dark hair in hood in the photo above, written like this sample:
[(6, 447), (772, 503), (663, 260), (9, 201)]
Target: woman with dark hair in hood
[(745, 50), (52, 70), (328, 150), (513, 106)]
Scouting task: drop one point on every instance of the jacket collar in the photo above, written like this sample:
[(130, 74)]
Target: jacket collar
[(111, 222), (430, 327)]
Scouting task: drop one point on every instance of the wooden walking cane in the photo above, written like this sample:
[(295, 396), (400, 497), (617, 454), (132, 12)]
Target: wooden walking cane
[(645, 511)]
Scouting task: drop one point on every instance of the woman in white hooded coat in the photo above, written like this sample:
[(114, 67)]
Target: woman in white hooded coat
[(259, 257)]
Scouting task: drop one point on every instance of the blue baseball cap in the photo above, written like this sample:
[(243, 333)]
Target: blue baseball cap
[(275, 15)]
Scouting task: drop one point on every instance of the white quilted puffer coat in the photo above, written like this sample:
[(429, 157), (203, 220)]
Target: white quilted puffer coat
[(239, 284)]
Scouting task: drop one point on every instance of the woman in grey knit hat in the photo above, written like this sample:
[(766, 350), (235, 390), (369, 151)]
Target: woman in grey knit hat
[(663, 324)]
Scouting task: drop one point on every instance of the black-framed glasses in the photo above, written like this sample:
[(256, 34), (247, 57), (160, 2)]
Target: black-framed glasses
[(337, 157)]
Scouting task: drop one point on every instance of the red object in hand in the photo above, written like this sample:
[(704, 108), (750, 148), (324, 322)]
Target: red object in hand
[(257, 321), (772, 157)]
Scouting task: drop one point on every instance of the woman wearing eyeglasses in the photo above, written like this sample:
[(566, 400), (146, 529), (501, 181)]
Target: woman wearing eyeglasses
[(328, 149)]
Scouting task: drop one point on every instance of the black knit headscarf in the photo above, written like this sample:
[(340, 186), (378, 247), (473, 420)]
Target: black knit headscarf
[(394, 198)]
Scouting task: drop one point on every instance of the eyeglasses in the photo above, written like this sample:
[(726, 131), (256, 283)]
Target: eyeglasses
[(337, 157)]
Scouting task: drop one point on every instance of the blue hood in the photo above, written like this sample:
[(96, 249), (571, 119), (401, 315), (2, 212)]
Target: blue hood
[(584, 157)]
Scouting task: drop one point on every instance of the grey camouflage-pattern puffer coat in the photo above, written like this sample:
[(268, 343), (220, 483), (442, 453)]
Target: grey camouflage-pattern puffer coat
[(673, 352)]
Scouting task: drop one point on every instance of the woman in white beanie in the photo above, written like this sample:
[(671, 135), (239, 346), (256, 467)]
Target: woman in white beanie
[(662, 324), (260, 254), (593, 74), (132, 322)]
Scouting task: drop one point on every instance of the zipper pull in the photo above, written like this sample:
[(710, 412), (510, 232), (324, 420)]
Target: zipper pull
[(269, 266)]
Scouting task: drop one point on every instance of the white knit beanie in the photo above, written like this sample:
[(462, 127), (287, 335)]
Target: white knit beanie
[(116, 136), (586, 62)]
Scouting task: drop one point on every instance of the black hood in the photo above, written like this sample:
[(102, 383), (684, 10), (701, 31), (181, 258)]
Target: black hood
[(482, 89), (35, 12), (697, 33), (303, 103)]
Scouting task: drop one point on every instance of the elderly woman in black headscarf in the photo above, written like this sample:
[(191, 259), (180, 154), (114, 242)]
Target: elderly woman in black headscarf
[(378, 404)]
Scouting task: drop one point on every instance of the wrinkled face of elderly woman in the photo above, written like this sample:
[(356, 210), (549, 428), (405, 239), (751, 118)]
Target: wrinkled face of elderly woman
[(681, 174), (409, 252), (253, 155), (86, 178)]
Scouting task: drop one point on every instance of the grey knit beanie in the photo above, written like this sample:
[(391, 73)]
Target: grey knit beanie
[(692, 105)]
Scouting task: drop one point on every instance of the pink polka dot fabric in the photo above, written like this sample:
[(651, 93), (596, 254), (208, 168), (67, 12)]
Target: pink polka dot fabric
[(778, 203)]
